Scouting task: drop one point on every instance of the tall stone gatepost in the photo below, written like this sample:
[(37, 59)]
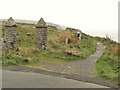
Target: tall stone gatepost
[(41, 32), (9, 37)]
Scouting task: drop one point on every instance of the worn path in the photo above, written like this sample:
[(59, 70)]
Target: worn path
[(85, 69)]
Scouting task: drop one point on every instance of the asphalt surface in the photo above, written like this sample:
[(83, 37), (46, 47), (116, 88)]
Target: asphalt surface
[(12, 79)]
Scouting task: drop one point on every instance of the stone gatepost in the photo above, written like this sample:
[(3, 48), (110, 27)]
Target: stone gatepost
[(9, 37), (41, 32)]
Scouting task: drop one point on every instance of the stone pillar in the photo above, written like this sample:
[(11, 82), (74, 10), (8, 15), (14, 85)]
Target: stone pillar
[(41, 32), (9, 32)]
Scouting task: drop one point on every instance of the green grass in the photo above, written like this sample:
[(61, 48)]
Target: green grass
[(107, 66), (29, 54)]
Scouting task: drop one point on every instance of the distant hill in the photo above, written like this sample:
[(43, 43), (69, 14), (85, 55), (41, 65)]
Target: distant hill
[(35, 22)]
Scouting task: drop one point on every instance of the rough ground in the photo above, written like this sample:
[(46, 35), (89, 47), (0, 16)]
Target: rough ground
[(85, 69)]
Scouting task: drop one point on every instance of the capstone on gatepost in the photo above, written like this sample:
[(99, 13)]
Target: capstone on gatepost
[(41, 32), (9, 34)]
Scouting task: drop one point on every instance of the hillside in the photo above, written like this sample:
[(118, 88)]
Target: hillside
[(57, 48), (59, 52)]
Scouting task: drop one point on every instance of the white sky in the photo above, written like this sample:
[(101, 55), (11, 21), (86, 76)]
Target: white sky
[(95, 17)]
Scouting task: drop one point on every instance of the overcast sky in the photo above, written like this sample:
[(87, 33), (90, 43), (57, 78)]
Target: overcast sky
[(94, 17)]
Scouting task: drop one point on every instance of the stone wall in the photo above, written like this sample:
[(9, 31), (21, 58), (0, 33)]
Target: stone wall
[(77, 32), (71, 29), (53, 27)]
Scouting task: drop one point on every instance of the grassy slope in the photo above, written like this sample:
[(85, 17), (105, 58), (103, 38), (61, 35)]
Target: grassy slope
[(28, 53), (107, 66)]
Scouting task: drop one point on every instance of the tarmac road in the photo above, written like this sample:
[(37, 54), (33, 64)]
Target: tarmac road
[(13, 79)]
